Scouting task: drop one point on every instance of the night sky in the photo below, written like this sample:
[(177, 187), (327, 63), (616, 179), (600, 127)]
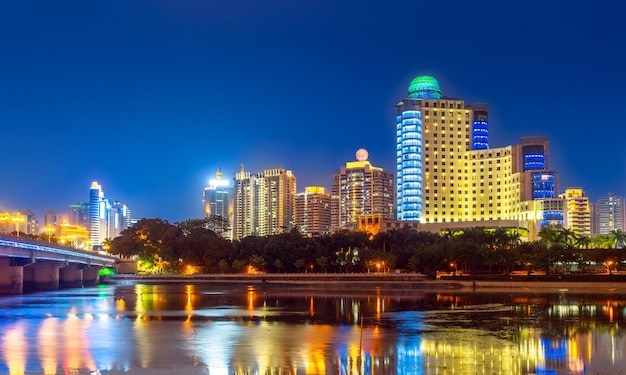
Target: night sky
[(150, 97)]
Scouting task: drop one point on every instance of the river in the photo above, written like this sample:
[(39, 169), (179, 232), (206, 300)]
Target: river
[(238, 329)]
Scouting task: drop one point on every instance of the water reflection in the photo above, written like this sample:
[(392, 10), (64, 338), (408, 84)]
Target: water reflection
[(196, 329)]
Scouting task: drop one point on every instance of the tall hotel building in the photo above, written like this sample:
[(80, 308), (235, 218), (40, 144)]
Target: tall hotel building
[(359, 189), (106, 220), (446, 172), (217, 200), (264, 203), (313, 211)]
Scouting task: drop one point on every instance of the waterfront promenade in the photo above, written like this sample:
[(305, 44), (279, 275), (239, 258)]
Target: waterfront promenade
[(401, 283)]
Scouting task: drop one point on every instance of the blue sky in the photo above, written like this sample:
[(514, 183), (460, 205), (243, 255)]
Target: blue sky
[(150, 97)]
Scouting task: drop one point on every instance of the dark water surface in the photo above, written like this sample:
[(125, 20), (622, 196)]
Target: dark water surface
[(204, 329)]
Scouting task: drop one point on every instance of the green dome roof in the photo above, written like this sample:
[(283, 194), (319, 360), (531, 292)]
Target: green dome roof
[(424, 87)]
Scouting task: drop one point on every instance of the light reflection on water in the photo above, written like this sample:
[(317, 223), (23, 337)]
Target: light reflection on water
[(198, 329)]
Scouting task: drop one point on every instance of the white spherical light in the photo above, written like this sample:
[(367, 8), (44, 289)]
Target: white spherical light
[(362, 154)]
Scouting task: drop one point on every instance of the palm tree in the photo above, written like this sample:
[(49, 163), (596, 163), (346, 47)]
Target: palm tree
[(565, 237), (549, 235), (583, 242), (619, 238)]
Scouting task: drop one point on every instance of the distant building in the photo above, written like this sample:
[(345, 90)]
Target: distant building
[(79, 214), (313, 211), (264, 203), (18, 223), (75, 236), (118, 219), (359, 188), (609, 214), (50, 219), (577, 211), (106, 220), (218, 200)]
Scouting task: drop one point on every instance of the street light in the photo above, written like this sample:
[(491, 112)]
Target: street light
[(48, 229), (17, 220), (609, 264), (453, 266)]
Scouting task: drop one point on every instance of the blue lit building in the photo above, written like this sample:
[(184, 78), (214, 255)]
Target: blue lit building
[(544, 182), (423, 119), (106, 220), (447, 172)]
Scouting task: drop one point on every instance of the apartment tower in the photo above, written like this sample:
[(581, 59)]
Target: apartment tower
[(358, 189), (264, 202), (313, 211), (577, 211)]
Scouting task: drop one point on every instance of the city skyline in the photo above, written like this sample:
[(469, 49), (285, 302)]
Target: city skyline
[(149, 99)]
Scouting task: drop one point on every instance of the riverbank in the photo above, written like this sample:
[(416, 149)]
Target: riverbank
[(399, 283)]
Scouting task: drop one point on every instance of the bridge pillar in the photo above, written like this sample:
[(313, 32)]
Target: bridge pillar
[(91, 276), (41, 276), (71, 276), (11, 279)]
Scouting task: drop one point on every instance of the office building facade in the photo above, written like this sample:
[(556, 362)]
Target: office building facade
[(609, 214)]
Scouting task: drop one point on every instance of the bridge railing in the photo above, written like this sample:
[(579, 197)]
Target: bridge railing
[(39, 246)]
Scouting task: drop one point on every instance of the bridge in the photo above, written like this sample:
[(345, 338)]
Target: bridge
[(33, 265)]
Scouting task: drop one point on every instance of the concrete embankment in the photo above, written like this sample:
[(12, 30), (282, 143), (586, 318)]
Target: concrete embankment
[(400, 283)]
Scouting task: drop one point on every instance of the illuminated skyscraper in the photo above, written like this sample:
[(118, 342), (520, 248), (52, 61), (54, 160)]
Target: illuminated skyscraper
[(313, 211), (428, 127), (264, 203), (217, 200), (577, 210), (446, 171), (106, 220), (97, 214), (359, 188)]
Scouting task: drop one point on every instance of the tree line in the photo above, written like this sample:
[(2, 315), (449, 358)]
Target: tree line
[(198, 246)]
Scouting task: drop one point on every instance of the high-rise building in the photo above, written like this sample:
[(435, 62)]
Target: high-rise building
[(446, 171), (50, 219), (609, 214), (79, 214), (264, 203), (577, 211), (97, 213), (313, 211), (218, 200), (118, 219), (106, 220), (359, 188)]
